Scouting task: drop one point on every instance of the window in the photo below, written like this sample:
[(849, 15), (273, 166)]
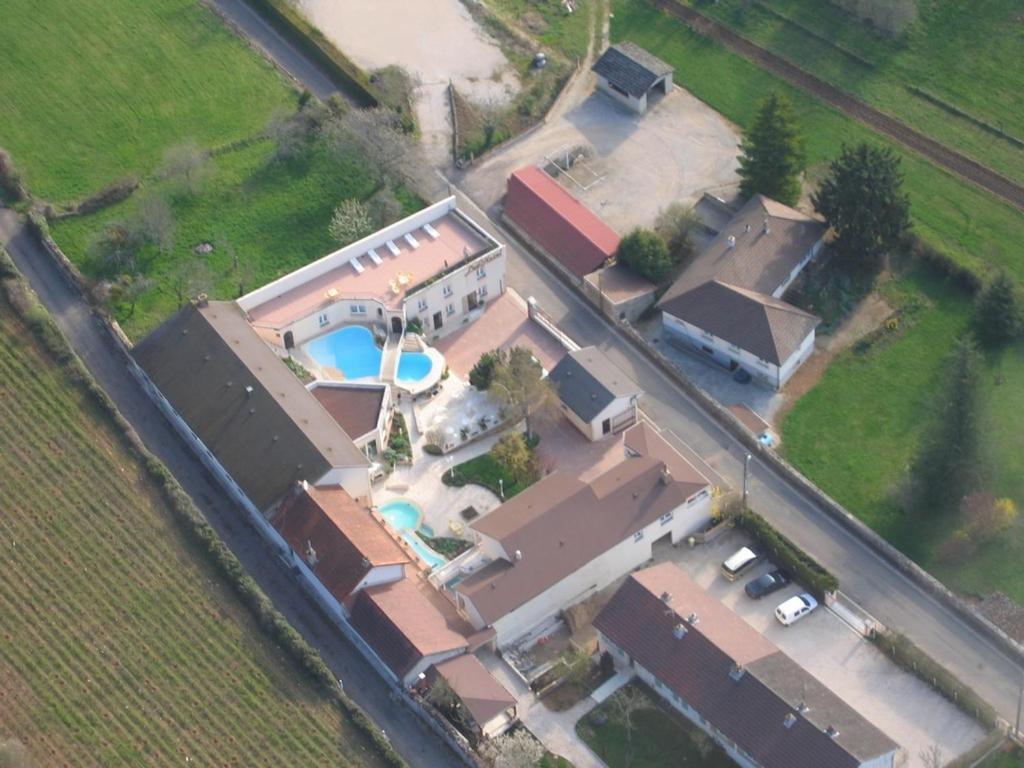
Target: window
[(357, 309), (447, 290), (638, 536), (666, 518), (481, 273), (450, 309), (481, 291), (422, 304), (322, 319)]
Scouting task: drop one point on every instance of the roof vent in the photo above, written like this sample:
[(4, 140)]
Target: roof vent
[(666, 476), (366, 563), (311, 557), (746, 229), (679, 631), (737, 672), (693, 618), (518, 554), (666, 597), (767, 229), (789, 720), (636, 495), (831, 732), (202, 300), (803, 709), (249, 390), (731, 241)]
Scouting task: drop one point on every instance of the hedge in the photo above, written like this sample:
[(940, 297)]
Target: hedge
[(787, 555), (185, 512), (914, 660)]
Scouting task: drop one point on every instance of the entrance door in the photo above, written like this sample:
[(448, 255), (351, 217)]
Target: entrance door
[(606, 426), (438, 321), (396, 324), (472, 302), (289, 340)]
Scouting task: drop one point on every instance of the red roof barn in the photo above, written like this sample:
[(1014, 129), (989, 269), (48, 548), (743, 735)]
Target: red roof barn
[(566, 229)]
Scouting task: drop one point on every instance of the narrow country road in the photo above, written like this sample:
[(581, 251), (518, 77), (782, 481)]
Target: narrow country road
[(418, 745)]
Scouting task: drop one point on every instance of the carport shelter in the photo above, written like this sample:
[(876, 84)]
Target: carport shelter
[(627, 73)]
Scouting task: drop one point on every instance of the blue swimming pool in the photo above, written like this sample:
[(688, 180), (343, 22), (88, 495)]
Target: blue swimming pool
[(351, 350), (406, 517), (413, 366)]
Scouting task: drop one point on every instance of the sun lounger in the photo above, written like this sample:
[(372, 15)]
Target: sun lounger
[(354, 261), (412, 241), (374, 257), (433, 233), (392, 247)]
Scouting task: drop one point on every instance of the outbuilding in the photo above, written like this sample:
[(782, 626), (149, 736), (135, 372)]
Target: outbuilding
[(628, 73), (597, 397)]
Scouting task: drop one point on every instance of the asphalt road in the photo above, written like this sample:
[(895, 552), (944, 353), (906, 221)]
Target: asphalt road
[(418, 745)]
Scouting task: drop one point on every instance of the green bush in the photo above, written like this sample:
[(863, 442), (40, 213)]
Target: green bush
[(482, 374), (786, 554), (433, 450), (645, 253)]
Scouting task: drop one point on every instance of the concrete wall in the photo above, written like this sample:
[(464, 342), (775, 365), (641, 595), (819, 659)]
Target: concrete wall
[(815, 250), (499, 724), (623, 99), (355, 480), (597, 574), (383, 574), (621, 411)]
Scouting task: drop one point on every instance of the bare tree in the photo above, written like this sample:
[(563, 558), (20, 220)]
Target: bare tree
[(14, 755), (626, 702), (128, 289), (351, 221), (116, 248), (519, 383), (375, 136), (189, 278), (293, 133), (187, 166), (385, 207), (155, 222), (931, 757), (243, 271), (515, 749)]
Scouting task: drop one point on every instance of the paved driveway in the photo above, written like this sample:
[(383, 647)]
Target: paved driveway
[(678, 150), (903, 707)]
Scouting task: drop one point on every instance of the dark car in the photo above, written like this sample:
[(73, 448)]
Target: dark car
[(765, 585)]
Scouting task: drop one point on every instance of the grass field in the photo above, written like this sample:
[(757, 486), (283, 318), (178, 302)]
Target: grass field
[(972, 226), (98, 89), (967, 54), (274, 216), (118, 645), (548, 22), (657, 732)]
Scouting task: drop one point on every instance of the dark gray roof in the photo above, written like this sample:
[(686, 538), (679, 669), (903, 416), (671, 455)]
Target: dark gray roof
[(587, 381), (205, 360), (631, 68), (768, 328)]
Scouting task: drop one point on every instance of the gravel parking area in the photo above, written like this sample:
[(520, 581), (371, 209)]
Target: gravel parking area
[(898, 703)]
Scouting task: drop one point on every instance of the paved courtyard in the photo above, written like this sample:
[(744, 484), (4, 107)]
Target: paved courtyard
[(902, 706), (680, 149)]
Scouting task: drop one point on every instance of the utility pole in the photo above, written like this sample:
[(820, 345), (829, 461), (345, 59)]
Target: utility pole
[(1020, 700), (746, 471)]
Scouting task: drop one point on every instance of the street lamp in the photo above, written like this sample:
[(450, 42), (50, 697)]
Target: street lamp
[(746, 471), (501, 488)]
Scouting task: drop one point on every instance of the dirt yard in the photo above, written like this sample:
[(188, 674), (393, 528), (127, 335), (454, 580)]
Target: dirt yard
[(434, 41)]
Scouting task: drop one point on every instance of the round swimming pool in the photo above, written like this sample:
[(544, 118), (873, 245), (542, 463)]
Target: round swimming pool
[(413, 366), (402, 514), (351, 350)]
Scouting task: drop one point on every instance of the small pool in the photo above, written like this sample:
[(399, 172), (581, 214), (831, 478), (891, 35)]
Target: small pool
[(413, 366), (352, 350), (405, 517)]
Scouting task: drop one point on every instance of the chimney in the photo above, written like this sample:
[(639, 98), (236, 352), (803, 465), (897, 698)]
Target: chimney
[(831, 732), (737, 672), (518, 555), (666, 597), (803, 709), (789, 720), (767, 229), (249, 391), (202, 300), (731, 241), (311, 558), (679, 631), (693, 618), (746, 229), (666, 476)]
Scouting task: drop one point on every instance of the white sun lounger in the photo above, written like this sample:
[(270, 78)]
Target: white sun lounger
[(374, 257), (412, 241), (354, 261), (392, 247), (434, 234)]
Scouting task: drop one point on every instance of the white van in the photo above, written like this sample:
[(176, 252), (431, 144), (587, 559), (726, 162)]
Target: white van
[(738, 563), (795, 608)]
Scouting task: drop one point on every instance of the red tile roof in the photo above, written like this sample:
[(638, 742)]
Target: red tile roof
[(735, 678), (483, 696), (564, 227), (348, 542)]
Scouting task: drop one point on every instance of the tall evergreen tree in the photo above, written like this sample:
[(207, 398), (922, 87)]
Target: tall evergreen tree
[(948, 466), (862, 199), (997, 317), (772, 153)]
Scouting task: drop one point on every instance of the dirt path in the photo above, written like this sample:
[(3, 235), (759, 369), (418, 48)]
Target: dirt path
[(971, 170)]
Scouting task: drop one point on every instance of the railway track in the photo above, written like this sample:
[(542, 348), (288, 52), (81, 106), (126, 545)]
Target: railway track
[(971, 170)]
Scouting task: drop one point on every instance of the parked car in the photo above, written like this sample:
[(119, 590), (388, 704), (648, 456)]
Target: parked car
[(765, 585), (795, 608), (738, 563)]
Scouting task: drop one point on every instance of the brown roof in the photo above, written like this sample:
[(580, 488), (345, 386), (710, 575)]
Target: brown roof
[(403, 625), (205, 361), (734, 677), (356, 407), (644, 440), (588, 382), (560, 524), (768, 328), (759, 261), (482, 695), (347, 540)]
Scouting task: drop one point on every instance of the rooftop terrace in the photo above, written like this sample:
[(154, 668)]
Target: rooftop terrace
[(384, 266)]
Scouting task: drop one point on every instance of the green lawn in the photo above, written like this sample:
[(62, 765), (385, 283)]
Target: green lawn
[(972, 226), (274, 215), (657, 733), (93, 90), (967, 54), (859, 452), (484, 470), (1012, 759), (548, 21)]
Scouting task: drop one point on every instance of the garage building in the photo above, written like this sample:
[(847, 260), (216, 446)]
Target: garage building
[(627, 73)]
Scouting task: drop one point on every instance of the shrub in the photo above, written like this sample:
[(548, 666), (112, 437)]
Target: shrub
[(351, 221), (933, 257), (958, 547), (515, 455), (10, 179), (646, 254), (997, 315), (676, 225), (482, 374), (432, 449), (792, 559)]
